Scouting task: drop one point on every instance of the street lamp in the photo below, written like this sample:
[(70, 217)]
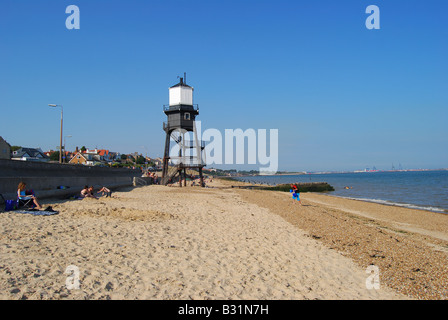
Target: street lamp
[(146, 157), (60, 142), (64, 147)]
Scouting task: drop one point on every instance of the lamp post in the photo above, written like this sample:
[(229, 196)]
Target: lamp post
[(65, 149), (146, 156), (60, 141)]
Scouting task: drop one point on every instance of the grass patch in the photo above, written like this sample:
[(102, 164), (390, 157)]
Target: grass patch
[(302, 187)]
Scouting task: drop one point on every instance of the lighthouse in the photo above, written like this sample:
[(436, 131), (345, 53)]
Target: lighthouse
[(181, 135)]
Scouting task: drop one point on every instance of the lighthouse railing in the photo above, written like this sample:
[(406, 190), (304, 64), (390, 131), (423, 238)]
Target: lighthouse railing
[(187, 160), (166, 107)]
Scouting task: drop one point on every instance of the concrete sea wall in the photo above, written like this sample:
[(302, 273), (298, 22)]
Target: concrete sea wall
[(45, 178)]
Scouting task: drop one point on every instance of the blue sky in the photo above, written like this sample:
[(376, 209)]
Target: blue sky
[(342, 97)]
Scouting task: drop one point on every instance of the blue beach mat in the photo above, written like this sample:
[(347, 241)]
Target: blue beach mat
[(37, 212)]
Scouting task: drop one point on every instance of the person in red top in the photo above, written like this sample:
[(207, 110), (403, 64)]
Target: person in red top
[(296, 196), (295, 193)]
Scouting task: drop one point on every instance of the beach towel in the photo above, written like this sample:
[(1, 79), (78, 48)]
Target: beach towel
[(76, 198), (48, 211), (37, 212)]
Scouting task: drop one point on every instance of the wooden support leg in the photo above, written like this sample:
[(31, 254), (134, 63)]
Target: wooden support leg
[(201, 177), (166, 155)]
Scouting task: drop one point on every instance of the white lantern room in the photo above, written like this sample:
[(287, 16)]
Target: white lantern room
[(181, 94)]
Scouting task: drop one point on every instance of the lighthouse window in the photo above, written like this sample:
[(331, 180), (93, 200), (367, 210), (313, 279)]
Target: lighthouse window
[(187, 116)]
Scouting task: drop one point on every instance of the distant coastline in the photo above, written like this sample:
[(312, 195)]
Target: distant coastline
[(286, 173), (254, 173)]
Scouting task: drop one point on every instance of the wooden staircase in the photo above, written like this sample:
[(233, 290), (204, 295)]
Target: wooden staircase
[(172, 172)]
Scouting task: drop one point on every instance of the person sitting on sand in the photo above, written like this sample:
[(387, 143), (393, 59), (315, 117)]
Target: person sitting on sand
[(21, 194), (105, 191), (87, 192), (92, 192)]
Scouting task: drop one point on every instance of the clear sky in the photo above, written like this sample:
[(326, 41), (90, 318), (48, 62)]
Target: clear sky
[(342, 97)]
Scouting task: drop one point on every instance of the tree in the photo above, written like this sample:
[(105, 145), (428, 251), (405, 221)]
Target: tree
[(15, 148), (140, 160), (54, 156), (83, 149)]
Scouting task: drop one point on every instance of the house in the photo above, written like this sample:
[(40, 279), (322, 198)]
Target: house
[(104, 154), (79, 158), (48, 153), (87, 159), (108, 156), (5, 149), (158, 162), (68, 156), (114, 156), (30, 154), (92, 157)]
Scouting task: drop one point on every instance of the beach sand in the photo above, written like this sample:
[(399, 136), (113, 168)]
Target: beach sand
[(158, 242)]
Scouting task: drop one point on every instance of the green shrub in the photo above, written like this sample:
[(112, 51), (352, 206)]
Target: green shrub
[(302, 187)]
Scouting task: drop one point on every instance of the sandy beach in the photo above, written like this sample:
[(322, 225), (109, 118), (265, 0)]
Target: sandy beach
[(158, 242)]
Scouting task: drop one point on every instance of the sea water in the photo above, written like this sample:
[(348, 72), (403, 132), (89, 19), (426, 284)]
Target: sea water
[(424, 190)]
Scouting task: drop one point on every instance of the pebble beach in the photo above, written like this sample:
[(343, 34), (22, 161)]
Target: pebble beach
[(170, 243)]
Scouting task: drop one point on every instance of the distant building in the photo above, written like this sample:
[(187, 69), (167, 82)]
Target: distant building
[(66, 156), (104, 154), (80, 158), (5, 149), (158, 162), (29, 154), (93, 157), (114, 156), (87, 159)]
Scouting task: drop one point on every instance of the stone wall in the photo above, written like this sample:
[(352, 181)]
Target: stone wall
[(47, 178)]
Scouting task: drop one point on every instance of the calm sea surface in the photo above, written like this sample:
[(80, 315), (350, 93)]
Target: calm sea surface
[(426, 190)]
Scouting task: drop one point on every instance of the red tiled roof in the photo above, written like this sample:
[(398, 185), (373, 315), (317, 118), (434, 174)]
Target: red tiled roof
[(103, 152)]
